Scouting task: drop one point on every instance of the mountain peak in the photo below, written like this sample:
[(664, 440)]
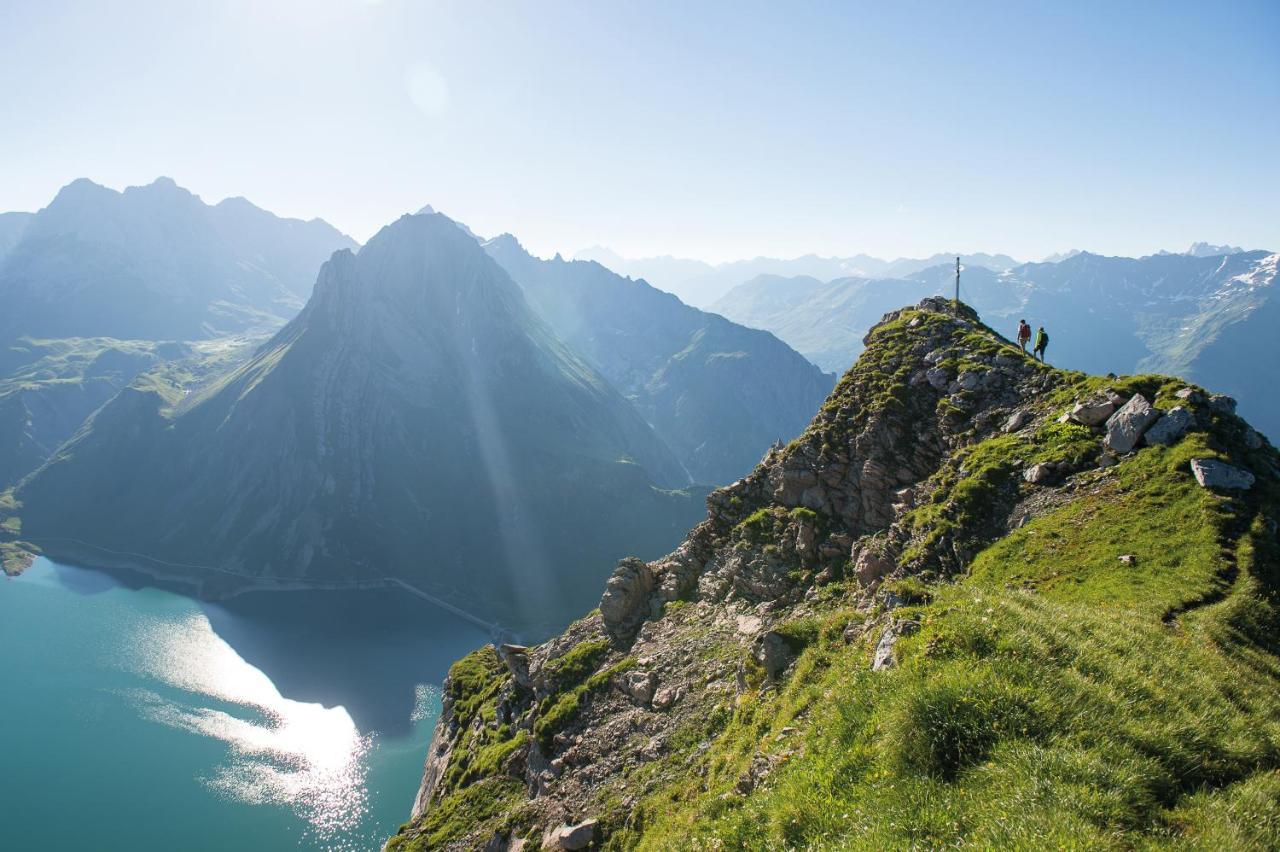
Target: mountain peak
[(1210, 250)]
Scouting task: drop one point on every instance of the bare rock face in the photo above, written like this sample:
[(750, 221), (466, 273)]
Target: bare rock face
[(1219, 475), (625, 602), (1169, 429), (1127, 426)]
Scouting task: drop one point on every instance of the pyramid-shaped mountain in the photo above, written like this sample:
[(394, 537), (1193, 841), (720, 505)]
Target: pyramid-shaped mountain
[(416, 422)]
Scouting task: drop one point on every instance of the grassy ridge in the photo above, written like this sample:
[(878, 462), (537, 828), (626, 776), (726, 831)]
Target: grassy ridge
[(1053, 698)]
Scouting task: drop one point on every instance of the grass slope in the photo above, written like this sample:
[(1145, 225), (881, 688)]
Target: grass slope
[(1053, 697)]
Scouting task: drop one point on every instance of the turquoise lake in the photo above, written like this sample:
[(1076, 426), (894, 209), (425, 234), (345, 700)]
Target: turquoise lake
[(139, 719)]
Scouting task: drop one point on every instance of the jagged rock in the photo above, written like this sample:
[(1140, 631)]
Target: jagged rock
[(755, 773), (870, 565), (1091, 412), (1113, 396), (773, 653), (1252, 439), (569, 838), (937, 377), (1222, 404), (884, 657), (1017, 420), (1126, 427), (969, 380), (516, 659), (1190, 395), (625, 602), (638, 685), (1170, 428), (667, 697), (748, 625), (1211, 473), (1040, 474)]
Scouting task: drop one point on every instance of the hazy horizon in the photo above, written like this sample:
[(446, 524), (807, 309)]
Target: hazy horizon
[(718, 132)]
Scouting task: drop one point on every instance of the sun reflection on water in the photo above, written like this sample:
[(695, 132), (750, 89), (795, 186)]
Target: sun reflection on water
[(305, 756)]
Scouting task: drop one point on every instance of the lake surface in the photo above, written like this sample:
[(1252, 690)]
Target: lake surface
[(138, 719)]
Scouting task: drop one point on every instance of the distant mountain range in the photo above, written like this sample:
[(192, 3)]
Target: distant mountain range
[(702, 284), (1201, 316), (154, 263), (717, 393), (417, 421)]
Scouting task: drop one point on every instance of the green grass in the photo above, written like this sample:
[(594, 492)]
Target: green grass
[(559, 710), (1048, 701)]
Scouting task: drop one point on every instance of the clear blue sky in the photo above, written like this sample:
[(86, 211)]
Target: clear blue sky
[(713, 130)]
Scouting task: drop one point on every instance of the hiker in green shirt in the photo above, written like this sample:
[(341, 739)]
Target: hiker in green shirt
[(1042, 340)]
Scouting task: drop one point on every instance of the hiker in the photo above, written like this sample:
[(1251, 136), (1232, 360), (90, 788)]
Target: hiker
[(1024, 335), (1042, 340)]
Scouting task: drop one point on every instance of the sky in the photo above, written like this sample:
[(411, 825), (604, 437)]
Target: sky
[(714, 130)]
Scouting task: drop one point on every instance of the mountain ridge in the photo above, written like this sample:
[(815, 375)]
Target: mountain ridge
[(975, 586), (415, 420)]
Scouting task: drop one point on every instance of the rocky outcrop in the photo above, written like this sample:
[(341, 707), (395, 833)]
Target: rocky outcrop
[(626, 598), (1170, 428), (1211, 473), (1126, 427)]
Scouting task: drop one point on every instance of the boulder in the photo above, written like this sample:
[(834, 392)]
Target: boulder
[(625, 602), (969, 380), (937, 377), (639, 686), (773, 653), (1190, 395), (1211, 473), (1252, 439), (1039, 474), (667, 696), (1129, 559), (568, 838), (869, 563), (1170, 428), (1127, 426), (1222, 404), (1017, 420), (1091, 412), (884, 657)]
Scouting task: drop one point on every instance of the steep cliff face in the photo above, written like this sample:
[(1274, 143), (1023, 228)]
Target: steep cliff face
[(415, 422), (978, 600)]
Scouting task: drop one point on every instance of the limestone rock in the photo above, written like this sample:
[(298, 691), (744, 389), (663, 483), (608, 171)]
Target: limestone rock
[(625, 602), (1129, 559), (516, 659), (568, 838), (667, 697), (1091, 412), (1222, 404), (638, 685), (884, 657), (937, 377), (1040, 474), (773, 653), (1170, 428), (869, 565), (1126, 427), (1190, 395), (1211, 473), (1017, 420)]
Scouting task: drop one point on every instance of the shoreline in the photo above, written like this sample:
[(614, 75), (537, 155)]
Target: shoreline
[(82, 554)]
